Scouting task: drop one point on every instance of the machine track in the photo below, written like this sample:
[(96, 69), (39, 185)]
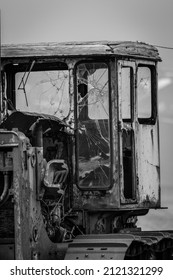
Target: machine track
[(142, 245)]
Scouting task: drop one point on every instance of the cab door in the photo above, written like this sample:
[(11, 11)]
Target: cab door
[(138, 134), (126, 89)]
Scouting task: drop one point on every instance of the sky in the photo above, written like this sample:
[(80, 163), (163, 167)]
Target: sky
[(150, 21), (32, 21), (66, 20)]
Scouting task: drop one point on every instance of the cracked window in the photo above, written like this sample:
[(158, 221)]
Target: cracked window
[(144, 92), (43, 92), (93, 125)]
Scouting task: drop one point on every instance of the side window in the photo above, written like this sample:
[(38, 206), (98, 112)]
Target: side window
[(126, 83), (145, 94)]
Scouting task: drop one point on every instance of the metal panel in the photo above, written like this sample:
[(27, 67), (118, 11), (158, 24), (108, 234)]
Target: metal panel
[(148, 165)]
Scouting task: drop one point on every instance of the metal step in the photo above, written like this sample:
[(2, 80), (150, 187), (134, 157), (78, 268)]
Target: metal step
[(144, 245)]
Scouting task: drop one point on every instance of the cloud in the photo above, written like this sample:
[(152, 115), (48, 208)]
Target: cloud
[(164, 82)]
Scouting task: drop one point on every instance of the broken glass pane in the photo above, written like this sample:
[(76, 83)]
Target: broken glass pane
[(46, 92), (93, 124)]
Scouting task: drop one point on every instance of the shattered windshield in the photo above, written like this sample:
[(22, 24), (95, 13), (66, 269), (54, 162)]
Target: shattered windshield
[(43, 92), (93, 125)]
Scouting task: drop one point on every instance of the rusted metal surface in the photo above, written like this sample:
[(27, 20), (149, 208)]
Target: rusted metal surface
[(131, 49), (148, 166), (24, 120), (29, 231), (99, 247)]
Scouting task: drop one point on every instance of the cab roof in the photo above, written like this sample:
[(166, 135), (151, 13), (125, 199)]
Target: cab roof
[(94, 48)]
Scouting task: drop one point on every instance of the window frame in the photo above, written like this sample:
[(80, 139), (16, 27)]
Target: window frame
[(131, 119), (83, 188), (152, 119), (11, 69)]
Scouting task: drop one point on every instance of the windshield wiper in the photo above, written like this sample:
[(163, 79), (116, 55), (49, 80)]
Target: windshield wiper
[(24, 81)]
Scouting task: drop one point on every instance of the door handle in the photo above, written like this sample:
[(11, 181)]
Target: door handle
[(120, 126)]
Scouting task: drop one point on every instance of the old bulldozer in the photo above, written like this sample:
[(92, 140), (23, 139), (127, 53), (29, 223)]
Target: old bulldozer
[(79, 151)]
